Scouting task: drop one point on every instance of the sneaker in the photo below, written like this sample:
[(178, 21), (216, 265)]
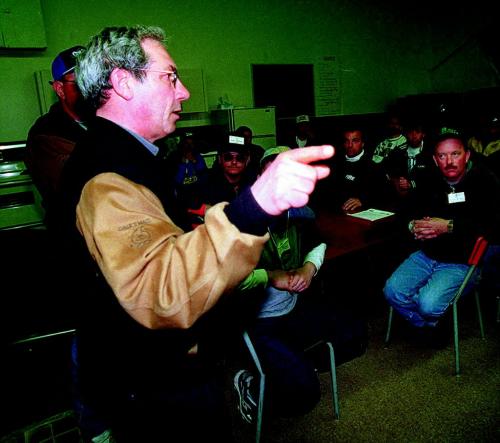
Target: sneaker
[(246, 404)]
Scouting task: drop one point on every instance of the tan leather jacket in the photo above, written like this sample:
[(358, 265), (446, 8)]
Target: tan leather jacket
[(162, 276)]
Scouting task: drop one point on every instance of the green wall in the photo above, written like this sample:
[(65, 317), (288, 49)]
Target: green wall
[(384, 51)]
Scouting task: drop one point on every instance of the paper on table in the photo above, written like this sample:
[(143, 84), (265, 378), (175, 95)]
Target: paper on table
[(372, 214)]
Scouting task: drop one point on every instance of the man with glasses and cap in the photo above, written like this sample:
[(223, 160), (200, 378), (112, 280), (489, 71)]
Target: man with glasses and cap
[(53, 135)]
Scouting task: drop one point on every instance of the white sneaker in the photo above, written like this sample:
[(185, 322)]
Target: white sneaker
[(246, 405)]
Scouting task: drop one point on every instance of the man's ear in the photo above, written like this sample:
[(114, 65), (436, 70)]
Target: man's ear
[(120, 79), (57, 86)]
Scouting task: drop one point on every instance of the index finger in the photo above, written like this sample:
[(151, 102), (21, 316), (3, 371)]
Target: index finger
[(310, 154)]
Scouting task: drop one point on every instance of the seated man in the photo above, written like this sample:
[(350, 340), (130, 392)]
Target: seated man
[(256, 151), (394, 138), (408, 165), (356, 182), (188, 175), (290, 318), (487, 140), (229, 176), (302, 134), (449, 214)]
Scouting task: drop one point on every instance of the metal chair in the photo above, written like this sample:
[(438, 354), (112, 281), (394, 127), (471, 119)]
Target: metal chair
[(473, 262), (262, 380)]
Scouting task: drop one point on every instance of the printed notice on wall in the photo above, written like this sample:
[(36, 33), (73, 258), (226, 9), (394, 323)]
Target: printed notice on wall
[(327, 93)]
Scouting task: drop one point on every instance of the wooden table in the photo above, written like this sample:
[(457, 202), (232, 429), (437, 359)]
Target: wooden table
[(345, 234)]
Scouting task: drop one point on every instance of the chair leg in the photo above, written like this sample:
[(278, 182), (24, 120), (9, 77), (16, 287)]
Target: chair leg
[(389, 325), (479, 315), (260, 407), (333, 375), (262, 385), (455, 339)]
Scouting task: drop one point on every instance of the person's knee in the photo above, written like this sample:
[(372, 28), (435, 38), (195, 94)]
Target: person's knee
[(430, 308), (392, 292), (389, 289)]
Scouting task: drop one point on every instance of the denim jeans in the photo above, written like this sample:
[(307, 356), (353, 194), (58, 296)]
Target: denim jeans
[(421, 289)]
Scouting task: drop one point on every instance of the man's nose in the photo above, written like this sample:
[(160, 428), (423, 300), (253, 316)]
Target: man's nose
[(182, 92)]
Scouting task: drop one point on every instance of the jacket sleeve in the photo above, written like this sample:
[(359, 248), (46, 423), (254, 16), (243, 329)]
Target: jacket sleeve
[(163, 277), (45, 159)]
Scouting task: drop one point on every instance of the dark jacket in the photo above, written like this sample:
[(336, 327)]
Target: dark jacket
[(478, 215), (397, 165), (361, 179), (118, 355), (50, 141)]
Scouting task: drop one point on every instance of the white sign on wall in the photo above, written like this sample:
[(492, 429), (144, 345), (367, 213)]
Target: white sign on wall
[(327, 92)]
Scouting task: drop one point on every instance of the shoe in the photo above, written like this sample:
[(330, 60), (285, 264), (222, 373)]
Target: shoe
[(105, 437), (246, 404)]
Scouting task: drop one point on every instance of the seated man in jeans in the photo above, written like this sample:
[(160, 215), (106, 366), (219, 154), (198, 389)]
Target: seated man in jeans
[(455, 207), (291, 317)]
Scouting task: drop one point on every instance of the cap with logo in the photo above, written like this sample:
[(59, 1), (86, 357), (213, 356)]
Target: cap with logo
[(447, 132), (234, 144), (65, 62), (302, 119)]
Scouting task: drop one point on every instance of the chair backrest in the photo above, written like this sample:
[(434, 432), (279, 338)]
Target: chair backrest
[(478, 251), (474, 260)]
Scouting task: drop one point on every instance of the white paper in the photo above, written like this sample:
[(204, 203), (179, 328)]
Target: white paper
[(372, 214)]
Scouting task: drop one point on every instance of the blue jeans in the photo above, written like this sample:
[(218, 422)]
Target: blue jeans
[(421, 289)]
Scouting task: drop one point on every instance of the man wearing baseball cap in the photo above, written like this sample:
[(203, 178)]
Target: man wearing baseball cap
[(53, 135), (230, 175)]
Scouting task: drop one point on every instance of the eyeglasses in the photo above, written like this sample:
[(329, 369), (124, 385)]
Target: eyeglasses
[(172, 75), (230, 156)]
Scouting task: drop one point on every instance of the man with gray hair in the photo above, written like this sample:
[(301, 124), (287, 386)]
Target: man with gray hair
[(154, 289)]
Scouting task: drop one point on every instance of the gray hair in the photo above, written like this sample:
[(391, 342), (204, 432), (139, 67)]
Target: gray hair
[(113, 47)]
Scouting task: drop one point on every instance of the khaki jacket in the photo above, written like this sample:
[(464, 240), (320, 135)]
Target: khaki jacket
[(163, 277)]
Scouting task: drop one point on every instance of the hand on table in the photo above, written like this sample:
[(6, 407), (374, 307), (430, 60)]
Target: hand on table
[(351, 205)]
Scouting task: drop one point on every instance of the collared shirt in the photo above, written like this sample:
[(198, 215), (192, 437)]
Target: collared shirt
[(149, 146)]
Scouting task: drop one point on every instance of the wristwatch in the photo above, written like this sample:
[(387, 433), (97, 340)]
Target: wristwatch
[(450, 226)]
